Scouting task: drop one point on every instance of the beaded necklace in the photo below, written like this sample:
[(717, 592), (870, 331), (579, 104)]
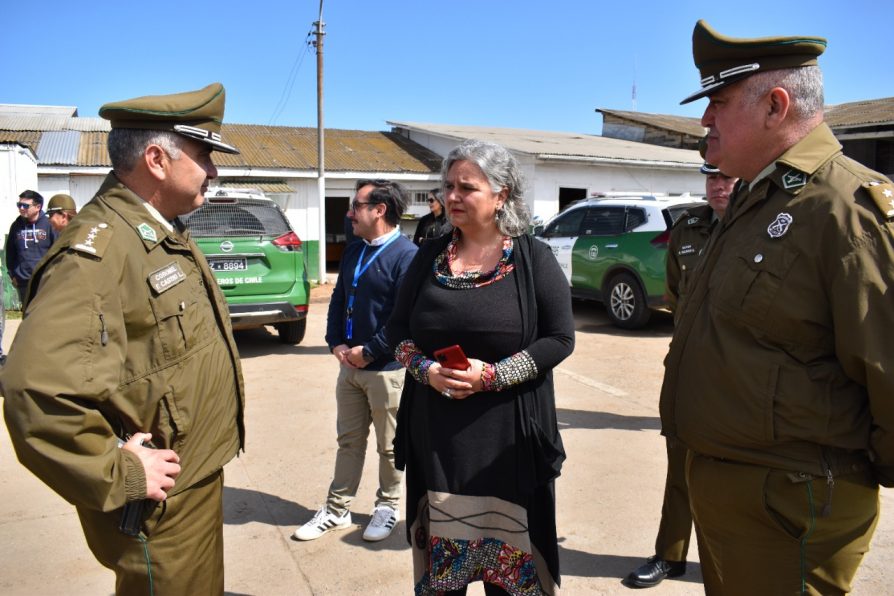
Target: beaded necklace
[(470, 279)]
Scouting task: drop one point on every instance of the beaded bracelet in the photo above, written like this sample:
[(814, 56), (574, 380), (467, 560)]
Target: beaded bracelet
[(413, 360), (488, 376)]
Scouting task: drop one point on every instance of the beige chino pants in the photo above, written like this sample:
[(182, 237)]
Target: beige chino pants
[(363, 398)]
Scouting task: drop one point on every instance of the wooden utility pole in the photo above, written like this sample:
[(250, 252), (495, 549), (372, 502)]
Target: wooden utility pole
[(321, 155)]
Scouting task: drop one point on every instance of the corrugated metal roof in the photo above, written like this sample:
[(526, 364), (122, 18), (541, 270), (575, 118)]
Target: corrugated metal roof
[(48, 123), (545, 144), (346, 150), (59, 147), (845, 115), (13, 109), (27, 138), (681, 124), (861, 113), (267, 186), (92, 151), (261, 146)]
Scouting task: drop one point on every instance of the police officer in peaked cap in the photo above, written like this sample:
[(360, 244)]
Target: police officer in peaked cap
[(688, 239), (138, 402), (778, 379)]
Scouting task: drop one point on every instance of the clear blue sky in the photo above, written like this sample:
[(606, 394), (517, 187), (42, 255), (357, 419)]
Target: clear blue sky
[(524, 64)]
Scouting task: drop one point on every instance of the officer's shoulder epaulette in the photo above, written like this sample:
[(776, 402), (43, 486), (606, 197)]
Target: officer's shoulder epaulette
[(882, 192), (93, 239)]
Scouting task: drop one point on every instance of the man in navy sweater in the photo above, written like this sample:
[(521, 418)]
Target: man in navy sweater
[(30, 237), (369, 380)]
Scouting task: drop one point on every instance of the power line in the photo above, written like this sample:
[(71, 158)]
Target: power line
[(290, 82)]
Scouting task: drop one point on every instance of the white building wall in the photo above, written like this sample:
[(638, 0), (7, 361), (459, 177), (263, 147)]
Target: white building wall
[(18, 172), (547, 178), (84, 188), (544, 178)]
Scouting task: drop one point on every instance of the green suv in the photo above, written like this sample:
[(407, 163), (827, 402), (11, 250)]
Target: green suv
[(257, 259), (613, 249)]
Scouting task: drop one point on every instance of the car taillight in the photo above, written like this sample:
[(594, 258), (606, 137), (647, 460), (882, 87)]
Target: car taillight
[(288, 241), (661, 240)]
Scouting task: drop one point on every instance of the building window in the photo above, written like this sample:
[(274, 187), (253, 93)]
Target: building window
[(420, 198)]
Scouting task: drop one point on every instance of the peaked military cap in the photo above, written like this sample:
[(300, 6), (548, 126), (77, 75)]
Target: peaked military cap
[(709, 169), (194, 114), (723, 60), (61, 202)]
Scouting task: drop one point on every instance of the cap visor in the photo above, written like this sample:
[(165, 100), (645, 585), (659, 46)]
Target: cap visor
[(222, 147), (200, 136)]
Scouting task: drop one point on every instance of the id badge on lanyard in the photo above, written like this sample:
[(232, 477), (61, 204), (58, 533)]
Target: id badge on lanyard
[(358, 272)]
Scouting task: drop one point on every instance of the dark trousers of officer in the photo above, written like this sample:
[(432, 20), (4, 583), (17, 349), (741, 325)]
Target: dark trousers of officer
[(765, 531), (675, 529), (183, 548)]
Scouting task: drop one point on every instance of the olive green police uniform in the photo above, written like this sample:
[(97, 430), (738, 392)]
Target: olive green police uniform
[(688, 239), (778, 378), (126, 330)]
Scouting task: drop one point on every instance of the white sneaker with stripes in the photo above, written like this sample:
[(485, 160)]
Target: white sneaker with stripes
[(384, 518), (323, 521)]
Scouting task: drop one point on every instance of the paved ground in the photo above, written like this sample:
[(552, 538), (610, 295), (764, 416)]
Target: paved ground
[(609, 495)]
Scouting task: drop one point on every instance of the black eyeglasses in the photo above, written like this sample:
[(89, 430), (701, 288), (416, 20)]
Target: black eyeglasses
[(431, 200), (356, 204), (24, 205)]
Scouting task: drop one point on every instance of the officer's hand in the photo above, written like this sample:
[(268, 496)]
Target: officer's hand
[(162, 466)]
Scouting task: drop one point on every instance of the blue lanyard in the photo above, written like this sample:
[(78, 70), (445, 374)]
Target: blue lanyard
[(359, 270)]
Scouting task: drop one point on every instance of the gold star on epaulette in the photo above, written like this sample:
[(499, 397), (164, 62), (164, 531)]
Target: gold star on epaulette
[(93, 240), (883, 195)]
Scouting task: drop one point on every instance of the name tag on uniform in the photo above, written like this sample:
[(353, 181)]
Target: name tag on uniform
[(166, 278)]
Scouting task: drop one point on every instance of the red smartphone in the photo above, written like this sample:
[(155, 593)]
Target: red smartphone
[(452, 357)]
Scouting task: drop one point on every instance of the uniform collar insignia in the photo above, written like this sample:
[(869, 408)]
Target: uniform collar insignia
[(794, 179), (780, 225), (147, 232), (692, 220)]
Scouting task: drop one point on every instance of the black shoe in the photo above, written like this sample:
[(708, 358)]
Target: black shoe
[(655, 571)]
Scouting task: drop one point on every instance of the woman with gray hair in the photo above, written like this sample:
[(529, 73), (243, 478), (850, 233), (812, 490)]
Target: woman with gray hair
[(477, 435)]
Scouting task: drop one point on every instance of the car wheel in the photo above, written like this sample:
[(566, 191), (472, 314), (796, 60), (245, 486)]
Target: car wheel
[(292, 332), (626, 304)]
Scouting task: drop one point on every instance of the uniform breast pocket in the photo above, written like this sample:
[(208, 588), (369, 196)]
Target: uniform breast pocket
[(183, 319), (753, 281)]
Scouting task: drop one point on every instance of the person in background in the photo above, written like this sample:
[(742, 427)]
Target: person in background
[(688, 240), (60, 210), (137, 402), (369, 379), (779, 375), (480, 445), (434, 223), (30, 237)]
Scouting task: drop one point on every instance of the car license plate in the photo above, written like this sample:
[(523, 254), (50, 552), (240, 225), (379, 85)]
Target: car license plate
[(228, 264)]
